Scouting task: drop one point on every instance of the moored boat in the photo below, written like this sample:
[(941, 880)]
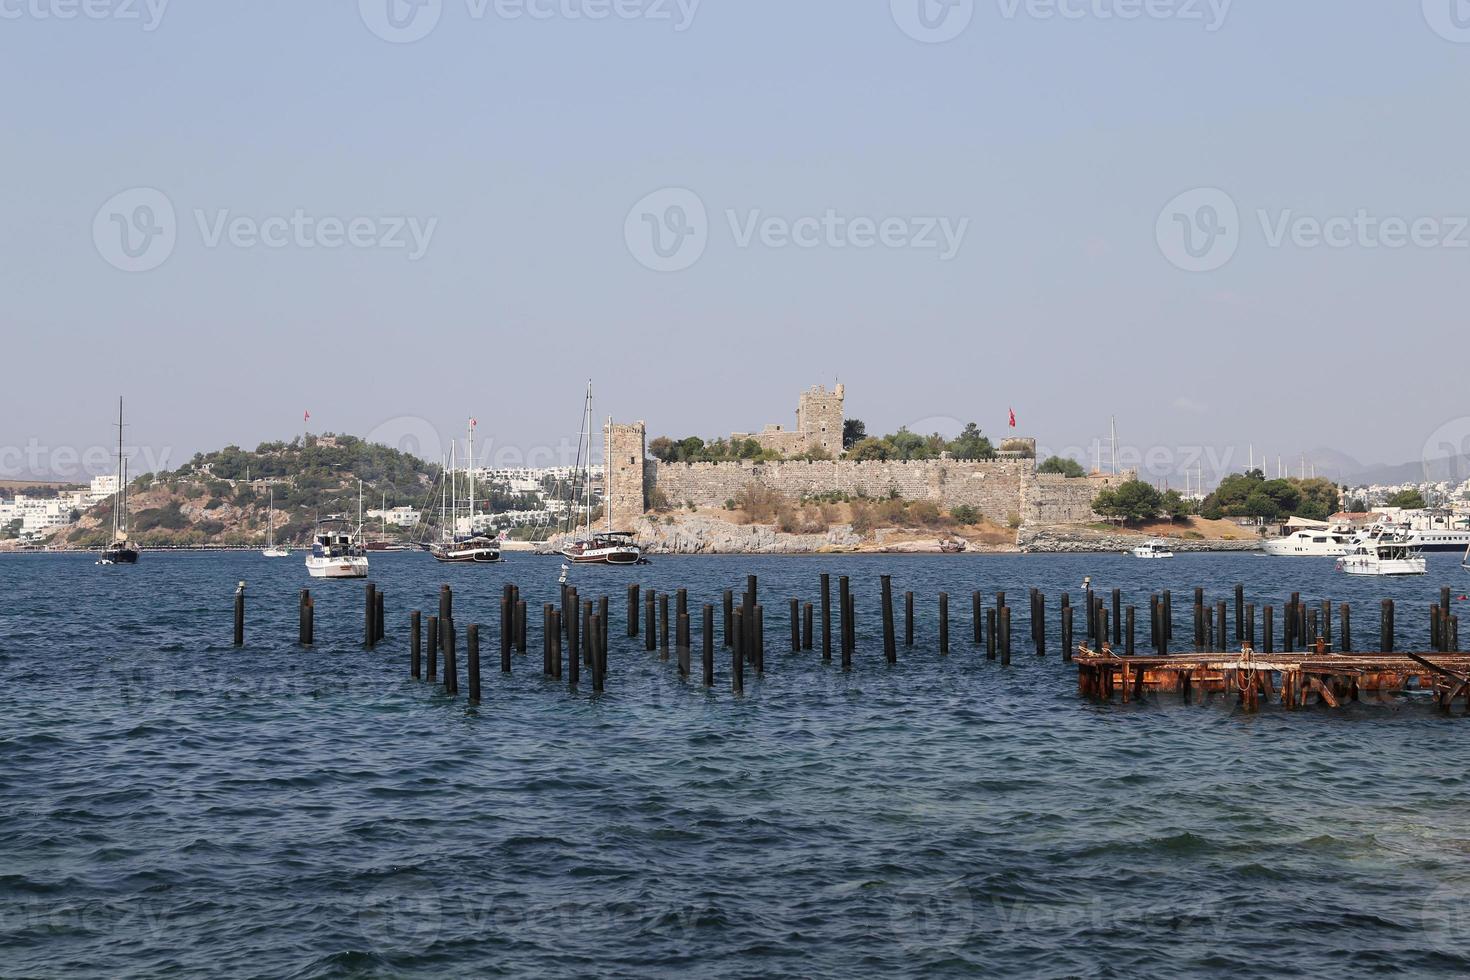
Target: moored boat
[(470, 548), (606, 547), (1385, 556), (119, 550), (271, 549), (335, 551), (1153, 549)]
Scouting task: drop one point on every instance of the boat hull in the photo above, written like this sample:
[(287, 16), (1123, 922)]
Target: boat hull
[(119, 556), (476, 557), (337, 567), (603, 558), (1387, 567)]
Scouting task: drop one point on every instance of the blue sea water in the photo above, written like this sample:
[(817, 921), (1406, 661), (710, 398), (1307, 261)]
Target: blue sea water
[(172, 805)]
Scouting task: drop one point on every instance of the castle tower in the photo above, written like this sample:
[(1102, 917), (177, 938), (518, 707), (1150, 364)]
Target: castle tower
[(819, 418), (623, 451)]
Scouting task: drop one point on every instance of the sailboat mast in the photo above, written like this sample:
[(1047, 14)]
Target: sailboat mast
[(453, 491), (470, 470), (117, 500), (587, 432)]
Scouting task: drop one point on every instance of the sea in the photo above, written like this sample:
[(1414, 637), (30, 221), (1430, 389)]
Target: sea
[(173, 805)]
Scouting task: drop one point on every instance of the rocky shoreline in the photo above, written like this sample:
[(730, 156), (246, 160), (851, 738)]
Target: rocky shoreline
[(1072, 540)]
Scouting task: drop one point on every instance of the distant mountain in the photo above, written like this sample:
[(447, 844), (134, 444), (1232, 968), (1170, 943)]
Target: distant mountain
[(1342, 468)]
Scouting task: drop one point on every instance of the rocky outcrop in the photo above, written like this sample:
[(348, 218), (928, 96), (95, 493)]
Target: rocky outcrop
[(700, 535), (1082, 540)]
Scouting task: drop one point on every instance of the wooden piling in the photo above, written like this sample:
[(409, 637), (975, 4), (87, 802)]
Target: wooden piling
[(1345, 628), (505, 618), (431, 664), (472, 661), (602, 611), (845, 596), (991, 628), (795, 625), (1154, 637), (760, 639), (1117, 617), (546, 639), (1268, 629), (1166, 608), (681, 642), (415, 646), (977, 619), (1067, 633), (908, 620), (806, 626), (1385, 626), (663, 626), (826, 616), (1128, 649), (650, 621), (890, 643), (451, 666), (1239, 612), (574, 664), (556, 645), (370, 615), (737, 653), (240, 615), (729, 600), (944, 622), (1005, 636), (633, 610), (599, 663), (1038, 623), (1249, 633), (520, 623), (709, 644)]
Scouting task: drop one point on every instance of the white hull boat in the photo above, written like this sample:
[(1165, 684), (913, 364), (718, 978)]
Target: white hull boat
[(1154, 549), (1384, 557)]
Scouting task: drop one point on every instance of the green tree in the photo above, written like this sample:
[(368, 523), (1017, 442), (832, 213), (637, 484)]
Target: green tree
[(663, 449), (1175, 506), (870, 449), (971, 444), (1066, 467), (853, 432), (1408, 500), (1131, 502), (691, 449)]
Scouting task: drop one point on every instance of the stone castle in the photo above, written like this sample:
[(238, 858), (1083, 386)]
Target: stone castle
[(1007, 490), (818, 426)]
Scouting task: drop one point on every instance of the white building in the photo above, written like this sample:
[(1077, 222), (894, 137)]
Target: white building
[(396, 516)]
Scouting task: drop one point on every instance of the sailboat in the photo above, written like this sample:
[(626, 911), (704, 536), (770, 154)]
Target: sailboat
[(271, 550), (118, 550), (605, 547), (471, 547)]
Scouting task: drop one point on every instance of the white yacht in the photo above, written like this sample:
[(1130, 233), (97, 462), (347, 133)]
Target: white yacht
[(1385, 556), (1153, 549), (1324, 542), (1423, 532), (335, 551)]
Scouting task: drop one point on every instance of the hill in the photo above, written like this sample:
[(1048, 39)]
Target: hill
[(223, 497)]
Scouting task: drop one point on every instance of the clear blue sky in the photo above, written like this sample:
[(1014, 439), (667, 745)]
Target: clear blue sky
[(526, 142)]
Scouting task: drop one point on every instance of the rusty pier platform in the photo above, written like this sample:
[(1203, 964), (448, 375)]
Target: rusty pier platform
[(1298, 679)]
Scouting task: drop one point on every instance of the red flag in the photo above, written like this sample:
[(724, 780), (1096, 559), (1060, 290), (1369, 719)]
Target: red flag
[(1013, 418), (306, 416), (474, 423)]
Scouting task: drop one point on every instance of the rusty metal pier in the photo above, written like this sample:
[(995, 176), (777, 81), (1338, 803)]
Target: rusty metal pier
[(1298, 679)]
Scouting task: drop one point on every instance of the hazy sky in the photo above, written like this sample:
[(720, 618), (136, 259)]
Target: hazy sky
[(397, 215)]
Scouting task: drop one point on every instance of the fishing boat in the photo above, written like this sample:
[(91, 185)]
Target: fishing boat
[(1153, 549), (119, 551), (271, 550), (603, 547), (470, 548), (336, 551), (1384, 556)]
